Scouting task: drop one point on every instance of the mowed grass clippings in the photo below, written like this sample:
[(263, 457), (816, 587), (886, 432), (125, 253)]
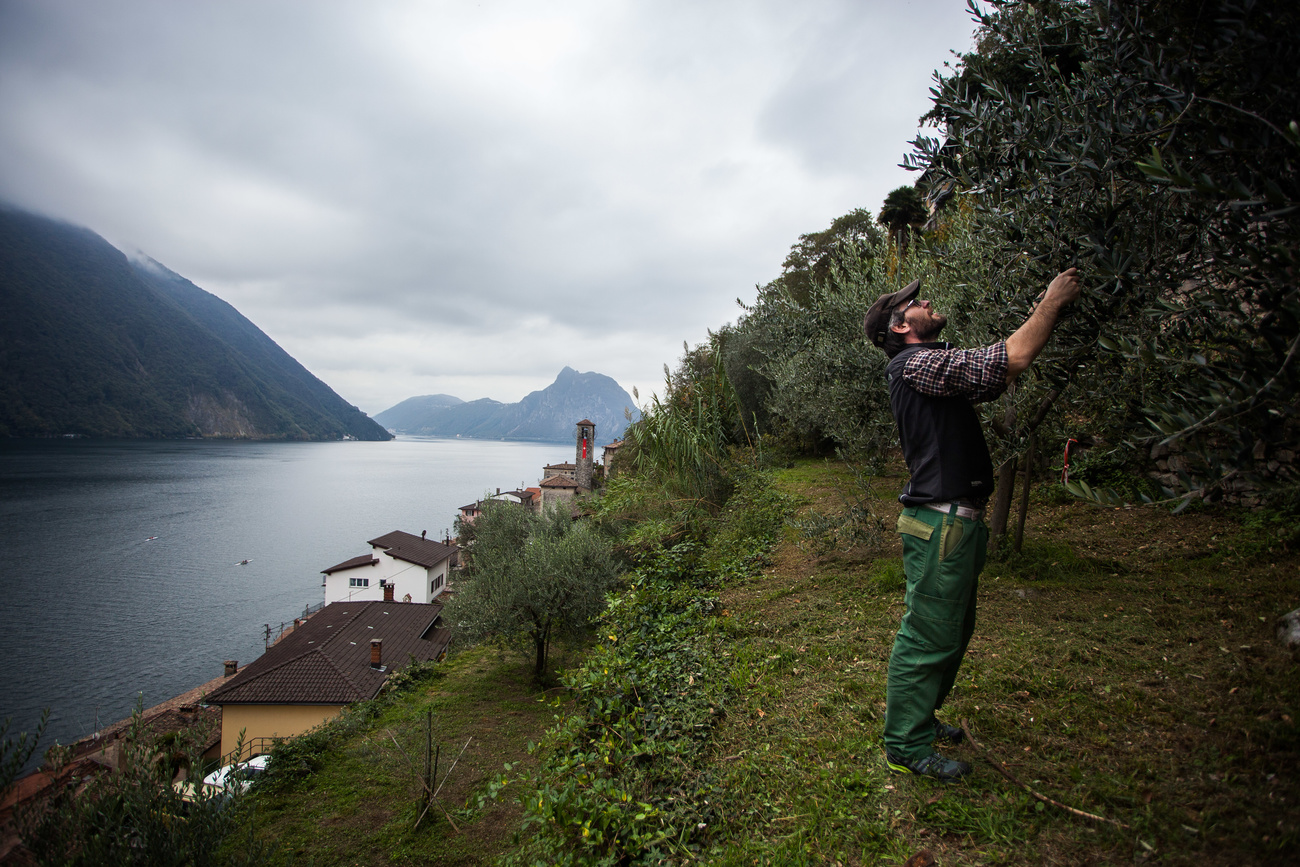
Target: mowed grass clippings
[(361, 806), (1123, 664)]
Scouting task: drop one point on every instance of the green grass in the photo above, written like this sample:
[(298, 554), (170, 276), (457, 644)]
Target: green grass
[(1123, 664), (360, 807)]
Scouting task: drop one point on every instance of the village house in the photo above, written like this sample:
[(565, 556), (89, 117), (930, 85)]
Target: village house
[(529, 498), (342, 654), (400, 566), (558, 489), (608, 456), (567, 470)]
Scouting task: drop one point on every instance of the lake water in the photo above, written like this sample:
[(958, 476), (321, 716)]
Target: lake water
[(118, 560)]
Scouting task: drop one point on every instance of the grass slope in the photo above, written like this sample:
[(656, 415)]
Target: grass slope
[(1124, 665), (360, 807)]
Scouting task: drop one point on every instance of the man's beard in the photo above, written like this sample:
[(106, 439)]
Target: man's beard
[(936, 324)]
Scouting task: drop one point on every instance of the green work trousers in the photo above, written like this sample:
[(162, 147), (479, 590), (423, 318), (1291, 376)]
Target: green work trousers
[(942, 558)]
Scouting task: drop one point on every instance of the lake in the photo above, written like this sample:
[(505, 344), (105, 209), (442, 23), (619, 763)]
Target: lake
[(120, 561)]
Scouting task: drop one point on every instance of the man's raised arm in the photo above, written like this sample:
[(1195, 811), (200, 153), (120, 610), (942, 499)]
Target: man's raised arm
[(1023, 346)]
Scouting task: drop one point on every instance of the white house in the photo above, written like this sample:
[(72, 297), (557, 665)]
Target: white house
[(400, 567)]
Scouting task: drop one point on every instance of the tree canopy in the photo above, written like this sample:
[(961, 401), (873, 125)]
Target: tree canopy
[(903, 213), (530, 578), (1154, 145)]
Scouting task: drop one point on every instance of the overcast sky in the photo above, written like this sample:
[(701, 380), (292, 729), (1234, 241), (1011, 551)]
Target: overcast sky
[(463, 198)]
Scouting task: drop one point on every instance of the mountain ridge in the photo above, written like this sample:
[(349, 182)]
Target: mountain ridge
[(97, 344), (546, 415)]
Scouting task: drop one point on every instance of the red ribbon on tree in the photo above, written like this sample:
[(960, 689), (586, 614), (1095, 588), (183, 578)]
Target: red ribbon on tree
[(1065, 468)]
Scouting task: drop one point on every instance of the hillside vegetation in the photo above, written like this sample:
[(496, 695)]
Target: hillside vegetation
[(1124, 665)]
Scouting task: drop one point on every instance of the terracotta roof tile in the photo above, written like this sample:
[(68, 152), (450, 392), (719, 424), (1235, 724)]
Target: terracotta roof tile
[(414, 549), (326, 660)]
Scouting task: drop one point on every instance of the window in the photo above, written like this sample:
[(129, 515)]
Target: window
[(437, 582), (358, 582)]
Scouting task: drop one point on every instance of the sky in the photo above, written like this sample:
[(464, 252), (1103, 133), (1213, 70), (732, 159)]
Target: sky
[(465, 197)]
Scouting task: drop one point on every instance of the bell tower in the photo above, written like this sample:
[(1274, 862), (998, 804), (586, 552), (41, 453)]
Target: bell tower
[(586, 436)]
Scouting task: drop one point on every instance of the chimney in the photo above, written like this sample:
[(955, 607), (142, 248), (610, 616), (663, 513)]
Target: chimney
[(376, 653), (423, 533), (232, 666), (388, 592)]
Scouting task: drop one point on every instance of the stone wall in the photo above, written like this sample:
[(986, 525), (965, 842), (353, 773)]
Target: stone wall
[(1246, 488)]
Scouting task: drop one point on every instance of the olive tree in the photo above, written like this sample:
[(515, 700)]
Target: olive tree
[(530, 578), (1150, 144)]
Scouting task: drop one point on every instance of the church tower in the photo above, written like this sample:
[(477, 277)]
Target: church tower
[(586, 435)]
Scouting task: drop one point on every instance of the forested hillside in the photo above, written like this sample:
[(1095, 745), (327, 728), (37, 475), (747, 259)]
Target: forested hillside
[(93, 344)]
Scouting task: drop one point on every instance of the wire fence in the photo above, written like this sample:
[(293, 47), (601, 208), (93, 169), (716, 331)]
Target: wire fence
[(275, 633)]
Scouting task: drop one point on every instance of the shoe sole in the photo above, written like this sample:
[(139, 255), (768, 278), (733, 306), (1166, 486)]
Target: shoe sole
[(899, 769)]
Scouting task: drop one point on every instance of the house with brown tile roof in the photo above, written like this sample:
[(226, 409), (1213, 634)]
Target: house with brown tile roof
[(340, 655), (400, 566), (608, 455)]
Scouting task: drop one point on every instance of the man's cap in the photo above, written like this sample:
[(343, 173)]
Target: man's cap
[(876, 322)]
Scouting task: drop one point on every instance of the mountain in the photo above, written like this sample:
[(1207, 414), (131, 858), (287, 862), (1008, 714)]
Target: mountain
[(412, 412), (548, 415), (94, 344)]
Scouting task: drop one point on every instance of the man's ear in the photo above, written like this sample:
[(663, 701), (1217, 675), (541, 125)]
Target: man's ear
[(900, 327)]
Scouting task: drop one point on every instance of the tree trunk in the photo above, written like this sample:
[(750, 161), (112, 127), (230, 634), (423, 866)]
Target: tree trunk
[(1024, 492), (1006, 486), (1006, 482), (541, 643)]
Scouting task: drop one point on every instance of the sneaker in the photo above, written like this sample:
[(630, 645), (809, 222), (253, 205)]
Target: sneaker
[(935, 766), (951, 734)]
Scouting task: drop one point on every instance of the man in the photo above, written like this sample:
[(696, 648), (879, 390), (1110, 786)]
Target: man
[(932, 390)]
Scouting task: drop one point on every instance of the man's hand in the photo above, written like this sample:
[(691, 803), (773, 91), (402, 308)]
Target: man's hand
[(1023, 346), (1064, 289)]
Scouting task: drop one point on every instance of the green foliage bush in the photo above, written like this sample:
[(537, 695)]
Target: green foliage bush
[(133, 815), (615, 786)]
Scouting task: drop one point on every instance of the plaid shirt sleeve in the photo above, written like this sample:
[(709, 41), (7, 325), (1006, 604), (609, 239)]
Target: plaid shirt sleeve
[(975, 374)]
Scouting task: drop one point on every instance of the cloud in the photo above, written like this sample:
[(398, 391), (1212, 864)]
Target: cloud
[(438, 197)]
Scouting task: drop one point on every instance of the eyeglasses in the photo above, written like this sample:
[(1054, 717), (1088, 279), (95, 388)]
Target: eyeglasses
[(909, 304)]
